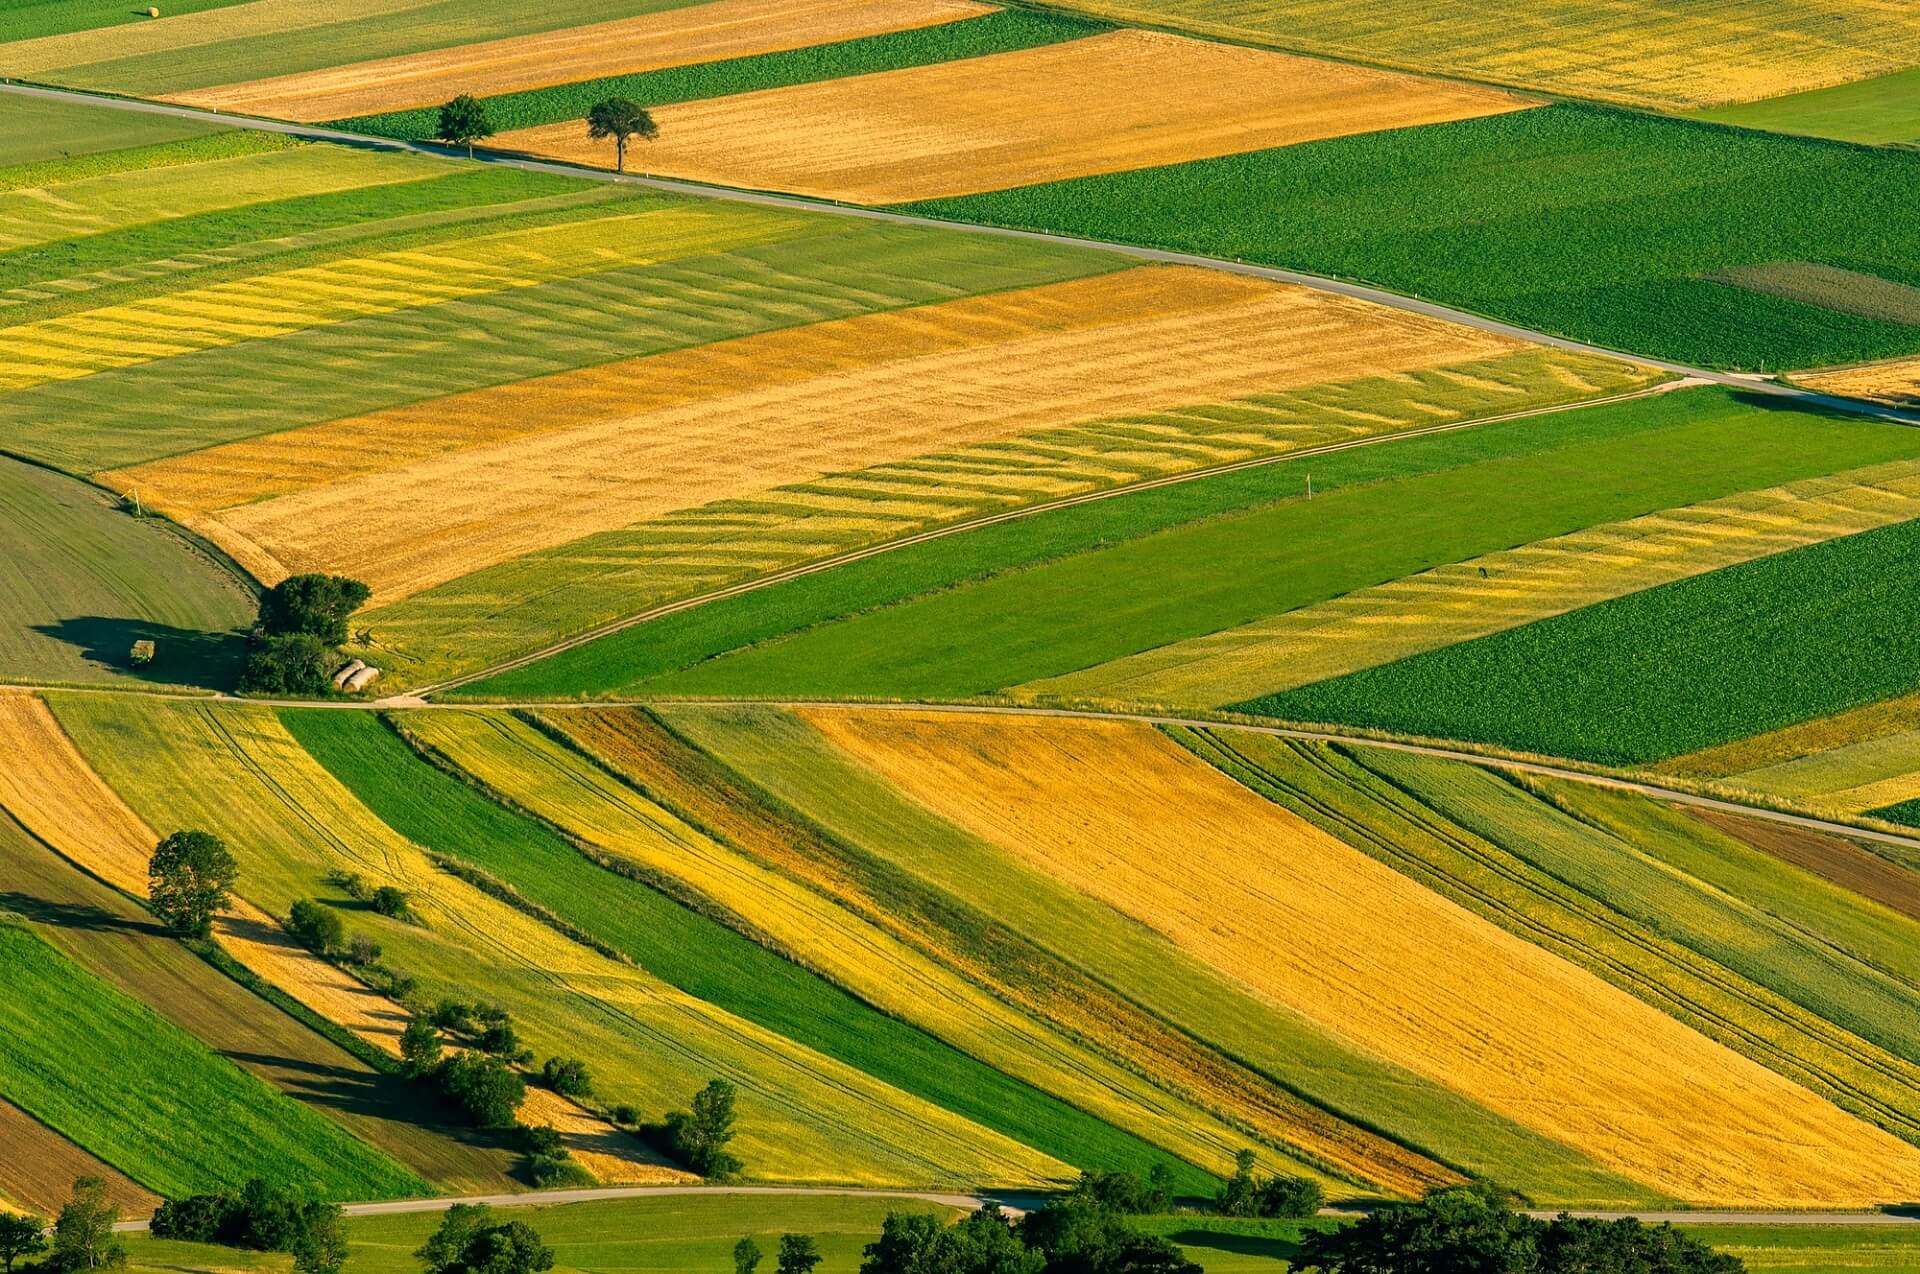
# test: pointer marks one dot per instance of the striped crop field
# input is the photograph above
(1390, 966)
(1852, 865)
(671, 37)
(1896, 382)
(1639, 52)
(1016, 118)
(564, 786)
(1494, 592)
(38, 1167)
(238, 772)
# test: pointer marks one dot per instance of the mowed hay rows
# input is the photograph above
(1108, 103)
(1495, 592)
(1897, 382)
(565, 787)
(38, 1167)
(995, 367)
(1642, 52)
(236, 771)
(676, 37)
(1325, 930)
(269, 305)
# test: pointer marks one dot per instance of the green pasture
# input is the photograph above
(1581, 221)
(82, 579)
(1674, 669)
(1877, 111)
(117, 1079)
(40, 129)
(688, 949)
(1378, 514)
(1817, 1249)
(206, 148)
(1000, 31)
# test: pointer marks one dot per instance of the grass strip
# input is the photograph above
(1674, 669)
(1002, 31)
(193, 150)
(1577, 220)
(689, 950)
(31, 19)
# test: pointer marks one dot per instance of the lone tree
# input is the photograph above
(20, 1235)
(83, 1237)
(746, 1257)
(620, 118)
(188, 880)
(699, 1137)
(798, 1254)
(463, 121)
(321, 1245)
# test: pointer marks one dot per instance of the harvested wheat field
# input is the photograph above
(607, 447)
(676, 37)
(1498, 591)
(1322, 929)
(38, 1165)
(1109, 103)
(1897, 382)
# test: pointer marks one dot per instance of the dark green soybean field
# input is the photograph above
(1587, 222)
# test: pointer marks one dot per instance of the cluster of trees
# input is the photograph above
(302, 625)
(1078, 1234)
(82, 1235)
(472, 1240)
(797, 1254)
(464, 121)
(265, 1218)
(1247, 1195)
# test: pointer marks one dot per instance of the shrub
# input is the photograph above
(484, 1089)
(316, 926)
(420, 1046)
(201, 1218)
(567, 1076)
(296, 664)
(389, 901)
(362, 951)
(698, 1137)
(626, 1116)
(554, 1172)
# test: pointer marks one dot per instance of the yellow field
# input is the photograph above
(1126, 815)
(1644, 52)
(273, 304)
(697, 33)
(1487, 594)
(1110, 103)
(27, 58)
(535, 773)
(566, 456)
(1896, 382)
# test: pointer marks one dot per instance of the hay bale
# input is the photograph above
(347, 670)
(361, 680)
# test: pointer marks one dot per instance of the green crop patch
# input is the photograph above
(1002, 31)
(38, 130)
(1673, 669)
(146, 1097)
(1584, 222)
(1876, 111)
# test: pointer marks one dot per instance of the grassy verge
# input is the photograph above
(1575, 220)
(1002, 31)
(193, 150)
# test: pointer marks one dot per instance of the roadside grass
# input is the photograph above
(687, 948)
(797, 765)
(156, 1103)
(234, 770)
(1803, 989)
(82, 580)
(1449, 498)
(1816, 1249)
(37, 130)
(1576, 220)
(1001, 31)
(660, 560)
(1874, 111)
(1685, 666)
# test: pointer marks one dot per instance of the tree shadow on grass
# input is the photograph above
(1201, 1239)
(70, 915)
(182, 656)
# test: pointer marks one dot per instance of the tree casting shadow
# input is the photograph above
(182, 656)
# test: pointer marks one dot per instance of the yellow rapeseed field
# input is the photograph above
(1109, 103)
(1643, 52)
(267, 305)
(1896, 382)
(1123, 813)
(566, 456)
(676, 37)
(1487, 594)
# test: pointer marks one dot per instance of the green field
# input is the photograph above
(1876, 111)
(37, 129)
(1584, 222)
(692, 951)
(1001, 31)
(1817, 1249)
(1674, 669)
(1450, 497)
(82, 580)
(30, 19)
(154, 1102)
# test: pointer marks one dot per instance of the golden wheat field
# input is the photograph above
(1323, 929)
(1108, 103)
(609, 447)
(1896, 382)
(1642, 52)
(273, 304)
(696, 33)
(1488, 594)
(32, 58)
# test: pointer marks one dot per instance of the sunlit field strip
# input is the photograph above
(1325, 930)
(1109, 103)
(676, 37)
(1642, 52)
(1897, 382)
(565, 787)
(38, 1167)
(236, 771)
(1497, 591)
(274, 304)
